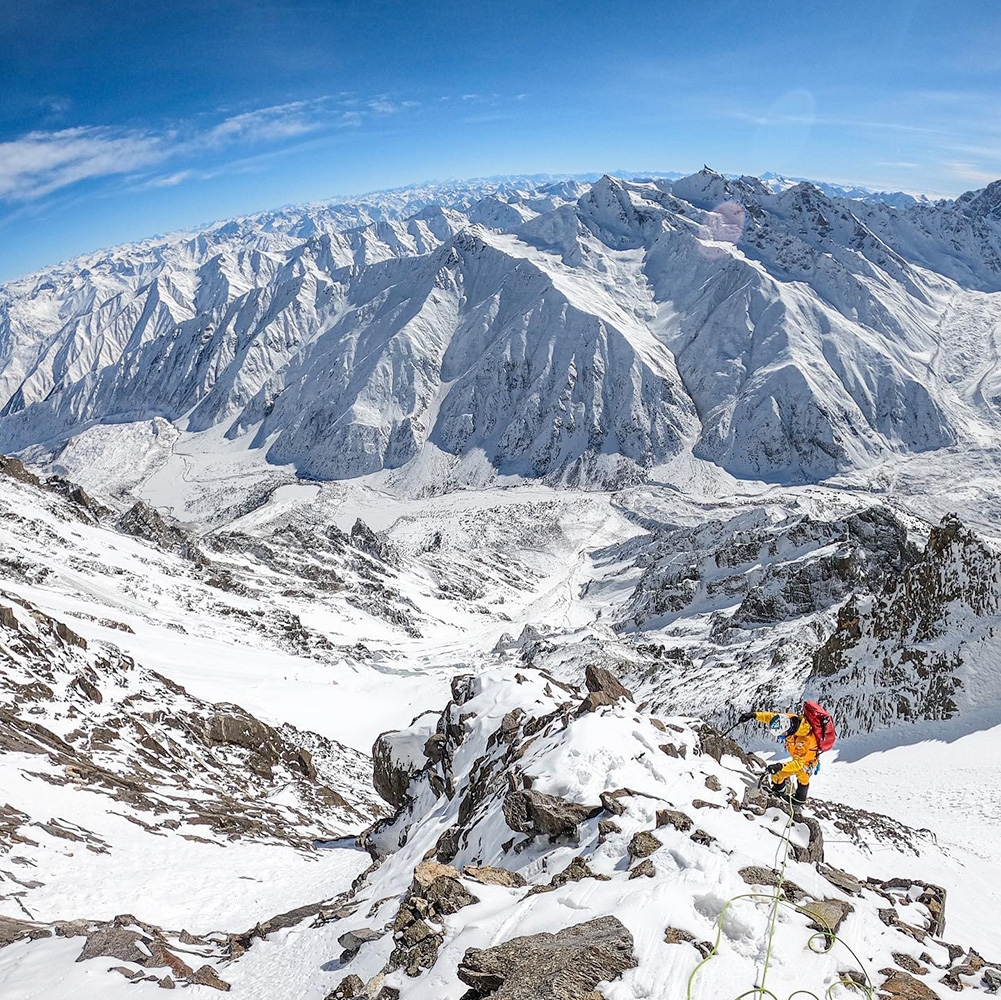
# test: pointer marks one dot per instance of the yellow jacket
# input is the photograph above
(800, 742)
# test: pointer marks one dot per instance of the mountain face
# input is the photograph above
(921, 649)
(579, 335)
(198, 647)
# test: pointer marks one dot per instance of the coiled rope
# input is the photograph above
(820, 943)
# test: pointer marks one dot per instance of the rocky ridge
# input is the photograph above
(83, 716)
(524, 819)
(921, 648)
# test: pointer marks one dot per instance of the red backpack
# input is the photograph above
(822, 724)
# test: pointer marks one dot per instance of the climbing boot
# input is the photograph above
(802, 791)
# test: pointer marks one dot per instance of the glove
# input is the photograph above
(774, 768)
(746, 717)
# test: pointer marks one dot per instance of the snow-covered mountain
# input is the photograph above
(579, 336)
(237, 554)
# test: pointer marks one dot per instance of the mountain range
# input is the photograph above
(578, 334)
(381, 584)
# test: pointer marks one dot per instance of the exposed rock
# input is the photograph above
(848, 883)
(349, 988)
(643, 844)
(903, 985)
(604, 688)
(393, 768)
(576, 871)
(365, 539)
(435, 892)
(610, 801)
(352, 941)
(112, 941)
(645, 868)
(142, 521)
(813, 853)
(493, 876)
(971, 965)
(675, 818)
(527, 811)
(717, 745)
(567, 965)
(895, 639)
(207, 976)
(14, 468)
(448, 895)
(428, 872)
(753, 875)
(828, 914)
(606, 827)
(12, 930)
(909, 964)
(675, 935)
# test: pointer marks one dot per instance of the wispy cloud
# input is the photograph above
(38, 163)
(41, 162)
(281, 121)
(971, 173)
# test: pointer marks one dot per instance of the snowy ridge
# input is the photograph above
(923, 648)
(533, 815)
(581, 336)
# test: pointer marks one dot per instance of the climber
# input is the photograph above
(805, 736)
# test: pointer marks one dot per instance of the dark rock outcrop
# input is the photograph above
(567, 965)
(604, 688)
(536, 813)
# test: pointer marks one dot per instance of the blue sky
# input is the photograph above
(119, 120)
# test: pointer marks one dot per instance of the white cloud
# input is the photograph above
(41, 162)
(281, 121)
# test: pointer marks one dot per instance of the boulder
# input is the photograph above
(828, 914)
(904, 985)
(488, 875)
(348, 989)
(352, 941)
(754, 875)
(396, 758)
(576, 871)
(643, 844)
(567, 965)
(645, 869)
(531, 812)
(672, 817)
(604, 688)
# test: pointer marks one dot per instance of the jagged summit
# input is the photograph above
(578, 335)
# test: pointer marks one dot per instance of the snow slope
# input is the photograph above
(773, 395)
(785, 335)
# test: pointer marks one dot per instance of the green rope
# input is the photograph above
(827, 937)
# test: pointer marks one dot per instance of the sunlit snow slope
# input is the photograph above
(581, 336)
